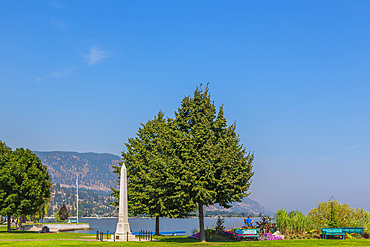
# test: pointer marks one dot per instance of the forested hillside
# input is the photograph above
(91, 202)
(94, 170)
(96, 173)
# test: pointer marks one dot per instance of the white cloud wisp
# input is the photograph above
(96, 55)
(57, 74)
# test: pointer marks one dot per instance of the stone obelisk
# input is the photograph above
(123, 232)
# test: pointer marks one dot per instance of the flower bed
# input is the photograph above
(269, 236)
(228, 235)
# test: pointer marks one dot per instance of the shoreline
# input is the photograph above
(116, 217)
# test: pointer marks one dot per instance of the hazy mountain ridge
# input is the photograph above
(246, 205)
(95, 172)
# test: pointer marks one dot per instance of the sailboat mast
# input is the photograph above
(77, 195)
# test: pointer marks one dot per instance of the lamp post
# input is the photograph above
(333, 221)
(331, 200)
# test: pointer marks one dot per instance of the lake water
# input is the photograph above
(165, 224)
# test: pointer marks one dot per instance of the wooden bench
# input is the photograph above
(349, 230)
(332, 231)
(247, 233)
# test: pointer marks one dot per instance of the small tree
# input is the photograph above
(220, 224)
(63, 212)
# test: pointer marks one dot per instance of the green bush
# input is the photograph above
(326, 214)
(293, 222)
(63, 212)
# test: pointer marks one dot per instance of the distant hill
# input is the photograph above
(94, 170)
(247, 205)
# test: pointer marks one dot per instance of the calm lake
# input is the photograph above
(165, 224)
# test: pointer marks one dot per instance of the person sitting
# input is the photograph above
(248, 222)
(45, 229)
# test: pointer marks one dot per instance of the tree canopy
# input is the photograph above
(153, 187)
(216, 168)
(176, 166)
(24, 182)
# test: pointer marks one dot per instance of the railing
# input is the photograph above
(143, 235)
(100, 235)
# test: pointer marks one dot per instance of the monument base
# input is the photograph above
(124, 237)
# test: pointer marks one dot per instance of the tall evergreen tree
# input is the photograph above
(214, 167)
(24, 183)
(153, 187)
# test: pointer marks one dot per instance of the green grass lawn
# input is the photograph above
(19, 238)
(177, 241)
(35, 235)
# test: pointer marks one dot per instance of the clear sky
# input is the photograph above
(293, 75)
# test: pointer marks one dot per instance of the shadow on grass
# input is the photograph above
(177, 239)
(185, 239)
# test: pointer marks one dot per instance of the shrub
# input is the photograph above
(220, 224)
(293, 222)
(283, 221)
(265, 225)
(63, 212)
(56, 216)
(366, 235)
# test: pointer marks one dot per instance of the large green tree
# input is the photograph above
(24, 183)
(214, 166)
(153, 186)
(177, 166)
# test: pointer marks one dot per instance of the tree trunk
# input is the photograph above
(8, 228)
(20, 224)
(157, 225)
(202, 234)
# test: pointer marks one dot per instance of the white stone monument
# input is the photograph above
(123, 232)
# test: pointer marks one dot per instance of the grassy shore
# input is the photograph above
(21, 238)
(182, 241)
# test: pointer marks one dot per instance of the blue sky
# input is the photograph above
(293, 75)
